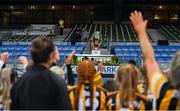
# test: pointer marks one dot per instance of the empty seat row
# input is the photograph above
(23, 50)
(126, 52)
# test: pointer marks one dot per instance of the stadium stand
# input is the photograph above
(132, 51)
(171, 32)
(89, 42)
(20, 38)
(14, 27)
(112, 32)
(23, 48)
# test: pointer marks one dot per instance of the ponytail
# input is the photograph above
(78, 91)
(127, 78)
(91, 89)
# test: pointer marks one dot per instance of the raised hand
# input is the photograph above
(69, 58)
(138, 22)
(23, 60)
(100, 67)
(4, 56)
(140, 26)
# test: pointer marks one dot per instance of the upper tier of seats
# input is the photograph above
(126, 52)
(22, 49)
(113, 32)
(172, 33)
(20, 38)
(27, 34)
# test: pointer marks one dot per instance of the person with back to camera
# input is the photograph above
(39, 88)
(7, 78)
(127, 97)
(166, 93)
(97, 77)
(85, 95)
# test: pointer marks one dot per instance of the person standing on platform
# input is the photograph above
(96, 41)
(39, 88)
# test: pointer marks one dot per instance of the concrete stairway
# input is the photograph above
(156, 35)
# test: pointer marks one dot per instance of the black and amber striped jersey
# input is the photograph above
(141, 102)
(99, 102)
(167, 97)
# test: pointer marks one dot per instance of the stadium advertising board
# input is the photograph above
(106, 69)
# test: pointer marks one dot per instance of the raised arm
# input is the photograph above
(69, 69)
(3, 59)
(140, 26)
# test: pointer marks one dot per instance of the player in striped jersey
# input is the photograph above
(128, 96)
(85, 95)
(167, 97)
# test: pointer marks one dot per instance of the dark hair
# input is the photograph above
(85, 58)
(110, 85)
(41, 49)
(14, 76)
(133, 62)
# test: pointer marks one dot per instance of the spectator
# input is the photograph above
(76, 36)
(24, 61)
(85, 35)
(55, 69)
(39, 88)
(97, 77)
(7, 78)
(128, 97)
(166, 95)
(78, 32)
(27, 64)
(87, 96)
(110, 86)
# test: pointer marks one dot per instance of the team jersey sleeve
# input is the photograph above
(156, 81)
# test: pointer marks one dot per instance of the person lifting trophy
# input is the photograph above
(96, 42)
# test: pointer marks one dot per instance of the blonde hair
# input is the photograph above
(127, 77)
(5, 86)
(175, 70)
